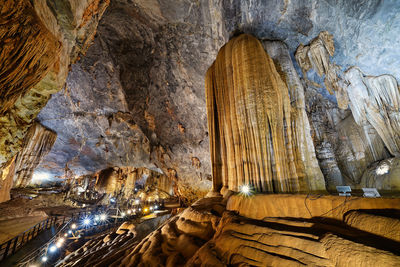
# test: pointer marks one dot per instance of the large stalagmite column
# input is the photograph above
(249, 117)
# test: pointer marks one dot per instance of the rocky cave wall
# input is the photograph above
(137, 97)
(39, 42)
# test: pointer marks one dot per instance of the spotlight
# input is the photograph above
(123, 214)
(86, 221)
(146, 210)
(103, 217)
(44, 259)
(112, 200)
(140, 209)
(53, 248)
(129, 211)
(151, 208)
(245, 190)
(96, 218)
(134, 210)
(62, 239)
(66, 234)
(137, 201)
(73, 226)
(69, 231)
(58, 244)
(156, 207)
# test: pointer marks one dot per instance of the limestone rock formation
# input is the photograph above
(40, 40)
(306, 161)
(28, 52)
(250, 123)
(38, 142)
(206, 234)
(162, 86)
(375, 100)
(6, 180)
(383, 175)
(373, 103)
(127, 184)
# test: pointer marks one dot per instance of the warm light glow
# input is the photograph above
(151, 208)
(129, 211)
(62, 239)
(146, 210)
(245, 190)
(123, 214)
(137, 201)
(73, 226)
(44, 259)
(103, 217)
(58, 245)
(53, 248)
(66, 234)
(140, 209)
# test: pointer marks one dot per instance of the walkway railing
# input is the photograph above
(11, 246)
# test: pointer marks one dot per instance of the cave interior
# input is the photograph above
(199, 133)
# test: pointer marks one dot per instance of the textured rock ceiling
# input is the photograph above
(137, 97)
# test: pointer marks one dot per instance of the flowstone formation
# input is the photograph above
(361, 129)
(38, 142)
(214, 232)
(250, 122)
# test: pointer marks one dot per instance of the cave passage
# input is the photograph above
(199, 133)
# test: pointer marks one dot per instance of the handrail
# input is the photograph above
(11, 246)
(37, 251)
(86, 231)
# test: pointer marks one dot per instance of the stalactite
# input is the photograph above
(27, 52)
(250, 124)
(376, 100)
(38, 142)
(316, 56)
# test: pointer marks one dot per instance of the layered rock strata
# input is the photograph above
(252, 124)
(206, 234)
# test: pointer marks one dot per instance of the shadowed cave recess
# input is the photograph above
(199, 133)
